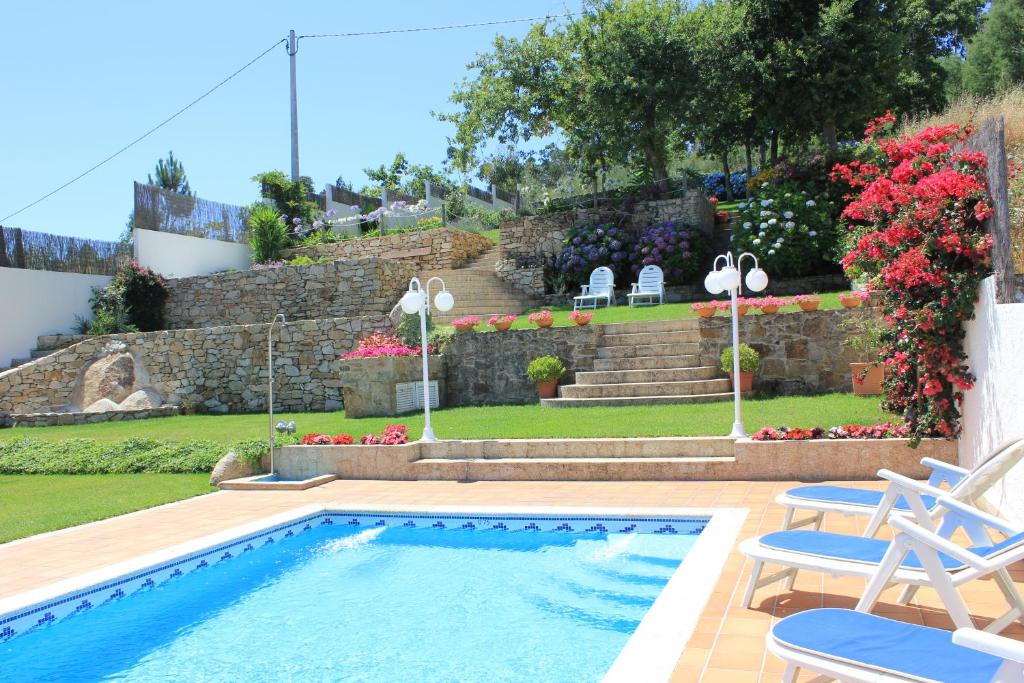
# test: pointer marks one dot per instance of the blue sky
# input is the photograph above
(80, 80)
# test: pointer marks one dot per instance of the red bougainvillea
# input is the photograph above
(917, 217)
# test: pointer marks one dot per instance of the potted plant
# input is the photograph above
(467, 323)
(714, 202)
(541, 318)
(853, 299)
(544, 371)
(808, 302)
(865, 338)
(771, 304)
(750, 362)
(705, 309)
(581, 318)
(501, 322)
(742, 305)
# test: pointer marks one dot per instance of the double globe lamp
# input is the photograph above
(417, 300)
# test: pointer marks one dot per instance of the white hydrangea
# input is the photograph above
(810, 202)
(748, 225)
(771, 252)
(789, 194)
(757, 242)
(764, 185)
(787, 215)
(761, 234)
(763, 226)
(765, 213)
(813, 233)
(765, 202)
(742, 205)
(773, 221)
(790, 225)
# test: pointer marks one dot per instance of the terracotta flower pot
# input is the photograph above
(746, 381)
(465, 327)
(714, 203)
(544, 323)
(548, 389)
(873, 374)
(501, 326)
(706, 312)
(721, 217)
(582, 323)
(769, 309)
(809, 305)
(850, 302)
(741, 309)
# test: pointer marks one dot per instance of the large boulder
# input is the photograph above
(143, 399)
(104, 405)
(111, 377)
(230, 467)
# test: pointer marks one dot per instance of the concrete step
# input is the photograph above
(575, 469)
(647, 376)
(633, 401)
(18, 362)
(642, 338)
(56, 342)
(641, 350)
(684, 388)
(650, 326)
(663, 447)
(646, 363)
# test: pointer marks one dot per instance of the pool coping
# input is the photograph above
(650, 653)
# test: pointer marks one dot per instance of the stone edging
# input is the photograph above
(51, 419)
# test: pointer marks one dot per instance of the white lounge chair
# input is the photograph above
(917, 556)
(601, 288)
(650, 285)
(866, 648)
(965, 485)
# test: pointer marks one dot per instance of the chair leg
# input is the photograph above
(755, 576)
(791, 579)
(792, 670)
(907, 594)
(787, 521)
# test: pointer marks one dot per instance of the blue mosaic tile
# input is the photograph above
(410, 524)
(226, 556)
(148, 583)
(7, 632)
(83, 606)
(468, 525)
(47, 618)
(531, 527)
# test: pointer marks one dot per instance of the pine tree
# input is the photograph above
(170, 175)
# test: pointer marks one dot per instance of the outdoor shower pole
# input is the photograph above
(293, 48)
(270, 386)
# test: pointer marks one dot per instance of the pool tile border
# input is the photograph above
(45, 606)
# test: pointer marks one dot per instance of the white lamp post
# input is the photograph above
(417, 300)
(729, 279)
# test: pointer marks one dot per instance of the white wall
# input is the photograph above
(993, 410)
(174, 255)
(37, 302)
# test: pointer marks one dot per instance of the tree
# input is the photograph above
(389, 177)
(170, 175)
(291, 199)
(615, 82)
(995, 57)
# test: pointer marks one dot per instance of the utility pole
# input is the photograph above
(293, 48)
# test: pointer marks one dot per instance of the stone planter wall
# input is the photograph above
(489, 368)
(800, 352)
(368, 384)
(427, 250)
(325, 290)
(218, 369)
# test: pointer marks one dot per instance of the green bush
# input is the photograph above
(545, 369)
(431, 223)
(134, 301)
(290, 198)
(441, 337)
(268, 234)
(750, 361)
(301, 260)
(87, 456)
(408, 329)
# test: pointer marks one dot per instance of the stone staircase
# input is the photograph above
(45, 345)
(479, 291)
(646, 363)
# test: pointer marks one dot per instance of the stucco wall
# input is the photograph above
(993, 411)
(174, 255)
(38, 302)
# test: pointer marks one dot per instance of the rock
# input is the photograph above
(104, 405)
(111, 377)
(230, 467)
(143, 399)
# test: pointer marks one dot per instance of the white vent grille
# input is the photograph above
(409, 396)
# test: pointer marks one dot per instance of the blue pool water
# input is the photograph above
(372, 604)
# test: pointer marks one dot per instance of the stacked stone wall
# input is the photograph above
(437, 249)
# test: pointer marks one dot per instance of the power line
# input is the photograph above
(430, 28)
(148, 132)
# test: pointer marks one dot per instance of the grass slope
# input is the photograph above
(528, 421)
(33, 504)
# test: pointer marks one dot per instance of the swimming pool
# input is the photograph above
(357, 595)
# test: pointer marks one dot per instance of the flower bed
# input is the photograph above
(885, 430)
(379, 344)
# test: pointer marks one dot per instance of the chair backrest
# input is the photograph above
(602, 280)
(651, 279)
(983, 477)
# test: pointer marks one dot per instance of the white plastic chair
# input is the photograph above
(601, 288)
(650, 286)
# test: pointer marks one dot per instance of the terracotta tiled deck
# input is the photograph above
(728, 644)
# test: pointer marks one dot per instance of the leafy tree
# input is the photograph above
(389, 177)
(615, 82)
(995, 57)
(414, 183)
(170, 175)
(342, 183)
(291, 199)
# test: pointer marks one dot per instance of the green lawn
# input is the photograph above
(33, 504)
(492, 235)
(528, 421)
(729, 206)
(625, 314)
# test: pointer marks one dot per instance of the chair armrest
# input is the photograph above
(942, 471)
(989, 643)
(636, 288)
(896, 479)
(937, 542)
(584, 290)
(976, 515)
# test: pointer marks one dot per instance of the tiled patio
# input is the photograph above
(728, 644)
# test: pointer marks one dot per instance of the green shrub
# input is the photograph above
(268, 234)
(301, 260)
(441, 337)
(408, 329)
(545, 369)
(87, 456)
(750, 361)
(134, 301)
(431, 223)
(290, 198)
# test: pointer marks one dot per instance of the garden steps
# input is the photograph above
(645, 338)
(642, 350)
(646, 389)
(650, 326)
(646, 363)
(479, 291)
(634, 400)
(681, 374)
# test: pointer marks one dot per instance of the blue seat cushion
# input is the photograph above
(885, 645)
(843, 547)
(851, 496)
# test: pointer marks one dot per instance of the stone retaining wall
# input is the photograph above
(368, 384)
(800, 352)
(489, 368)
(51, 419)
(437, 249)
(217, 369)
(325, 290)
